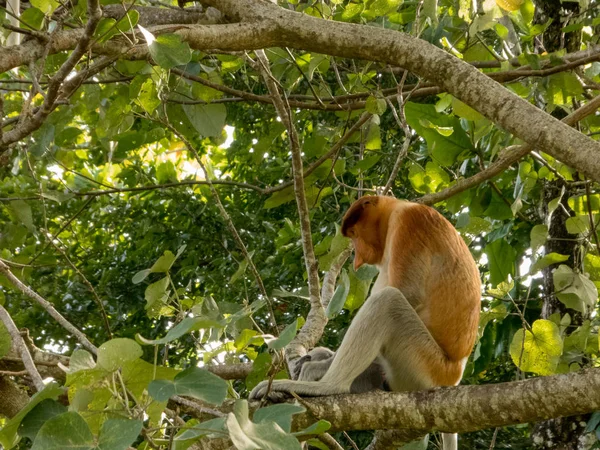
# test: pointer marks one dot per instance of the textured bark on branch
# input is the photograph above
(454, 409)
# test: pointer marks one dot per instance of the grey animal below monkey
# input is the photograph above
(313, 365)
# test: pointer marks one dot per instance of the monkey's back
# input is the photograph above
(434, 269)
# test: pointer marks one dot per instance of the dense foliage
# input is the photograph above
(107, 214)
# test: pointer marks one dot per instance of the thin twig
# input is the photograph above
(87, 283)
(591, 216)
(19, 343)
(48, 307)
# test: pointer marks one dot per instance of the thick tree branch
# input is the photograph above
(12, 398)
(465, 82)
(509, 156)
(48, 307)
(453, 409)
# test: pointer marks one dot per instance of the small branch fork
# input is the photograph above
(4, 269)
(19, 343)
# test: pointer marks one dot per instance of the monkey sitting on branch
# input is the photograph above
(420, 323)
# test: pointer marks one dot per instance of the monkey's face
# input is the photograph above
(361, 223)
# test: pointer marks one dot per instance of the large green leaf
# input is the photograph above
(113, 354)
(65, 431)
(208, 120)
(38, 416)
(247, 435)
(445, 137)
(574, 289)
(285, 337)
(538, 350)
(185, 326)
(193, 382)
(501, 260)
(339, 296)
(168, 50)
(118, 434)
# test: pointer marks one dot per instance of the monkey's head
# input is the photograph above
(365, 223)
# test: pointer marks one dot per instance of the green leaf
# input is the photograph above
(430, 180)
(576, 342)
(65, 431)
(375, 105)
(140, 276)
(164, 263)
(162, 390)
(339, 296)
(548, 260)
(167, 50)
(574, 289)
(357, 294)
(156, 293)
(502, 289)
(463, 110)
(247, 435)
(46, 6)
(81, 360)
(5, 341)
(193, 382)
(316, 428)
(593, 422)
(116, 352)
(197, 430)
(187, 325)
(148, 99)
(138, 374)
(428, 123)
(538, 237)
(109, 27)
(260, 369)
(285, 337)
(208, 120)
(280, 414)
(539, 350)
(33, 17)
(578, 224)
(21, 213)
(8, 434)
(118, 434)
(38, 416)
(501, 261)
(339, 243)
(241, 270)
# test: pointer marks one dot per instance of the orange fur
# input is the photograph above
(419, 252)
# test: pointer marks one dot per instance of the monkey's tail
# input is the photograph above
(450, 441)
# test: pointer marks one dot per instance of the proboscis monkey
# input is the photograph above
(420, 322)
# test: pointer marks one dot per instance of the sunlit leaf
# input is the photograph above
(539, 350)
